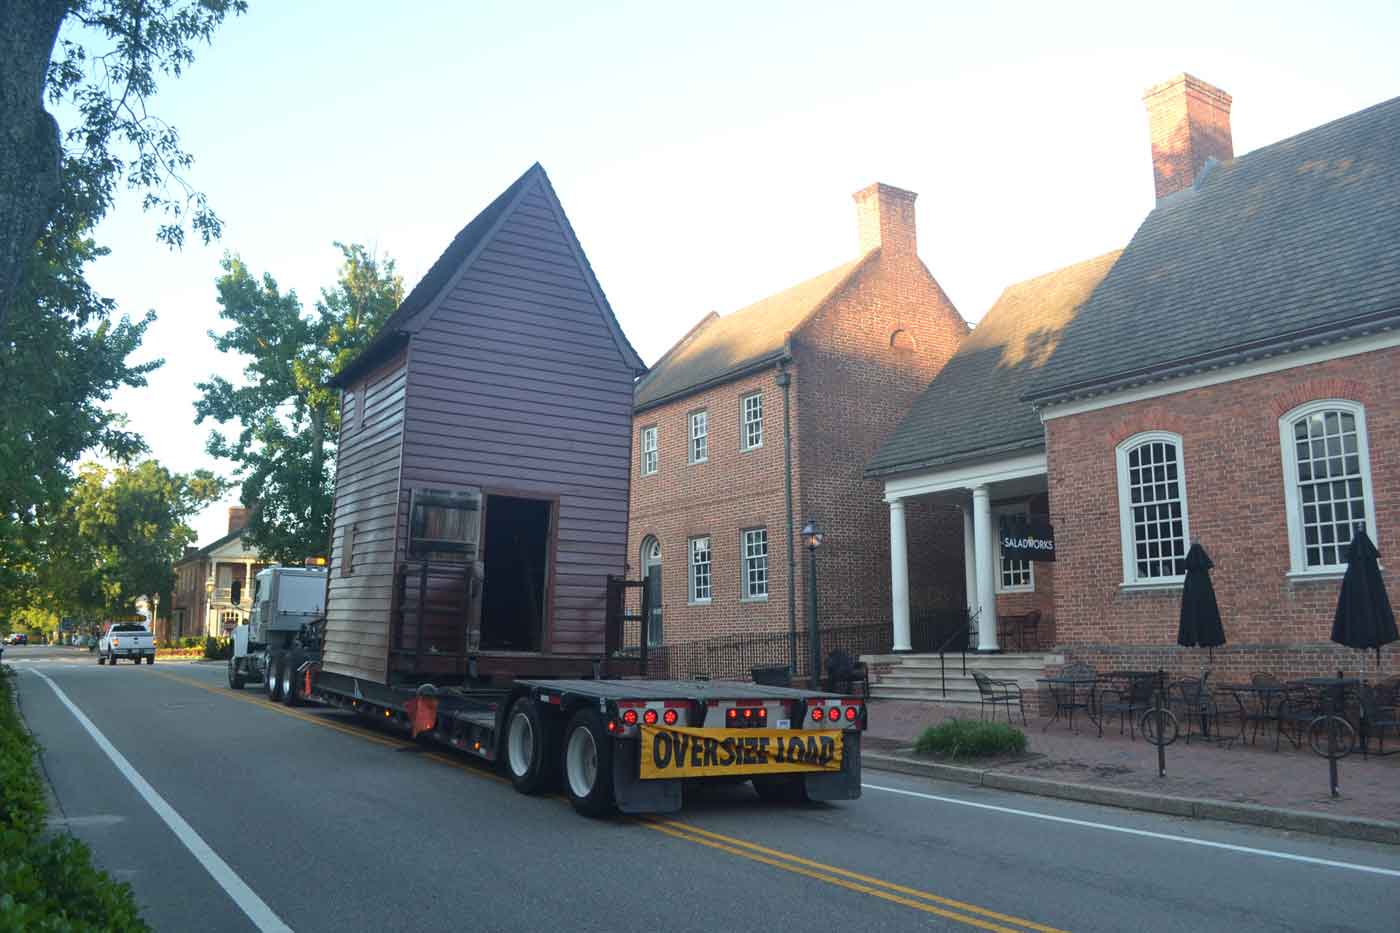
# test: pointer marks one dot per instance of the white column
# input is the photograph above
(899, 575)
(986, 591)
(969, 560)
(247, 581)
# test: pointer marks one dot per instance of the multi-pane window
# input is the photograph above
(1329, 478)
(700, 569)
(1152, 502)
(649, 452)
(752, 418)
(699, 436)
(755, 563)
(1013, 574)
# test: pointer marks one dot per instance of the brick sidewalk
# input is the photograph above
(1290, 778)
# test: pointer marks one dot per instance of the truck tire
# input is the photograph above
(529, 748)
(288, 679)
(588, 764)
(111, 659)
(101, 659)
(779, 788)
(150, 659)
(235, 675)
(273, 680)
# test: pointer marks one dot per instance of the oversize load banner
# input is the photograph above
(678, 752)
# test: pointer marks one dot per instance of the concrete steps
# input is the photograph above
(919, 676)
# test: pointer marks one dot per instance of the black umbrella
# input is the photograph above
(1364, 618)
(1200, 615)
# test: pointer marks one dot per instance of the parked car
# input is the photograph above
(19, 638)
(127, 640)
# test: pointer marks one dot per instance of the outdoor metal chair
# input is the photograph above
(1377, 717)
(1201, 706)
(996, 693)
(1298, 707)
(1127, 702)
(844, 674)
(1262, 708)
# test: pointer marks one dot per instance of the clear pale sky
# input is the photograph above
(706, 155)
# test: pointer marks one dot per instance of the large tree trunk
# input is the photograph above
(30, 149)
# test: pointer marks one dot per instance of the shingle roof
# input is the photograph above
(1293, 244)
(441, 272)
(721, 347)
(973, 407)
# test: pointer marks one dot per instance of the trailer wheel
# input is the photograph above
(235, 675)
(272, 680)
(530, 748)
(781, 788)
(150, 659)
(291, 696)
(588, 764)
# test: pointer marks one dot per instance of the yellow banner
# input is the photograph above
(677, 752)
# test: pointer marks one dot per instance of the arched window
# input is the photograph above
(1327, 482)
(651, 575)
(902, 341)
(1152, 508)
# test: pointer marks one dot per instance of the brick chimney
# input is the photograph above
(885, 217)
(1189, 121)
(237, 518)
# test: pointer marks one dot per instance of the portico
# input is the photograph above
(979, 490)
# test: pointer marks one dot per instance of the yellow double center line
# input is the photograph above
(923, 901)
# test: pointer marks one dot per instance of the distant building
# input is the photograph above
(856, 344)
(207, 581)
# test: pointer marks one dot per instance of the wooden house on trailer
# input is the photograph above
(482, 475)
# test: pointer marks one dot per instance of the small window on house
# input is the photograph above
(1327, 488)
(1152, 508)
(1013, 575)
(650, 454)
(755, 543)
(445, 525)
(902, 341)
(700, 569)
(361, 403)
(347, 561)
(751, 410)
(699, 436)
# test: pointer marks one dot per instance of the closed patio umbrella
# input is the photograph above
(1200, 615)
(1364, 618)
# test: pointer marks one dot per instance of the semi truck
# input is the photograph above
(617, 743)
(478, 559)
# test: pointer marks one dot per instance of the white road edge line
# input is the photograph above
(1109, 827)
(262, 916)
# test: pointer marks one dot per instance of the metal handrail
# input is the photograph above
(942, 662)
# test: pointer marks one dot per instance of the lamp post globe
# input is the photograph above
(812, 536)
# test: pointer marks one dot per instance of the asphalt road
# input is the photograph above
(331, 825)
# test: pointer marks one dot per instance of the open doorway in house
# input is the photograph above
(515, 548)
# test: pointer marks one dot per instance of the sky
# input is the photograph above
(705, 154)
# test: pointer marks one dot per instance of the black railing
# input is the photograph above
(956, 640)
(431, 618)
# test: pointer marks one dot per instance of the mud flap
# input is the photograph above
(843, 784)
(634, 795)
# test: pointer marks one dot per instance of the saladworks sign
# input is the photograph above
(1027, 539)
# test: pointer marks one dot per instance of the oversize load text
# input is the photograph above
(677, 752)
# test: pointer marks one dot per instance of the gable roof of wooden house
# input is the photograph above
(464, 249)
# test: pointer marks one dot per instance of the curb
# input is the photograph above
(1199, 808)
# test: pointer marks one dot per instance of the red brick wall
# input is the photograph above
(733, 490)
(1235, 503)
(854, 388)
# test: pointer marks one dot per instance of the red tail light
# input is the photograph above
(763, 712)
(816, 714)
(833, 714)
(629, 717)
(649, 717)
(669, 717)
(851, 713)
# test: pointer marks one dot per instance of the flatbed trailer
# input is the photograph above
(625, 744)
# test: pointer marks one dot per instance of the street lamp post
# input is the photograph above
(812, 536)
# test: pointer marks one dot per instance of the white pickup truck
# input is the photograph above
(126, 640)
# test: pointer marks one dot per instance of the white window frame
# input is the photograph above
(1297, 551)
(745, 422)
(699, 436)
(692, 589)
(1125, 507)
(746, 592)
(1022, 509)
(651, 456)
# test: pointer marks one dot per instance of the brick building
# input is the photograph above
(854, 345)
(1230, 378)
(203, 600)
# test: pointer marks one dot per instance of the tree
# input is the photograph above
(108, 69)
(288, 418)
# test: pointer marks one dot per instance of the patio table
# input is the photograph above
(1269, 698)
(1070, 694)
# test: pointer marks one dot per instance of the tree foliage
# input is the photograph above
(287, 418)
(106, 59)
